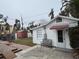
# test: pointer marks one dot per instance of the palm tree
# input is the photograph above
(30, 26)
(7, 26)
(17, 25)
(65, 8)
(71, 7)
(5, 19)
(1, 16)
(51, 14)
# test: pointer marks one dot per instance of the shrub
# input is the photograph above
(74, 37)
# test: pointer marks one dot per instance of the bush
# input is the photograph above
(74, 37)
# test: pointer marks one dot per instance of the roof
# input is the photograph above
(65, 17)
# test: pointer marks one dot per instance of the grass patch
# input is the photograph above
(25, 41)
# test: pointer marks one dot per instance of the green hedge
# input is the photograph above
(74, 37)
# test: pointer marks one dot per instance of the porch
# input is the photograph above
(62, 37)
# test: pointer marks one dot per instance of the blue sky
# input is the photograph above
(30, 10)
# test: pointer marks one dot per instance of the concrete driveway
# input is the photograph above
(45, 53)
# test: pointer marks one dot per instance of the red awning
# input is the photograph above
(59, 26)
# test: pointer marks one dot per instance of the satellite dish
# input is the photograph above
(1, 16)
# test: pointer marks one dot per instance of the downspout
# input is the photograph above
(45, 34)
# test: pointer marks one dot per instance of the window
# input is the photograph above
(39, 34)
(58, 19)
(60, 36)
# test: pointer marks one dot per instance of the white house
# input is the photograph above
(56, 30)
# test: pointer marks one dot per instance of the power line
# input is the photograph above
(38, 15)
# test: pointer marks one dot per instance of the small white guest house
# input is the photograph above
(56, 30)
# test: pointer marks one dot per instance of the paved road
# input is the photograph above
(45, 53)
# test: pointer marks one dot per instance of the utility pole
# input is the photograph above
(22, 22)
(62, 2)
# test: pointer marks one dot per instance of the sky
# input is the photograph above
(30, 10)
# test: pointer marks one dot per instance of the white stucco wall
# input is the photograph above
(52, 34)
(35, 37)
(67, 41)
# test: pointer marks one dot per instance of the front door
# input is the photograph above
(61, 39)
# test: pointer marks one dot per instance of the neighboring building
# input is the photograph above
(22, 34)
(29, 34)
(57, 31)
